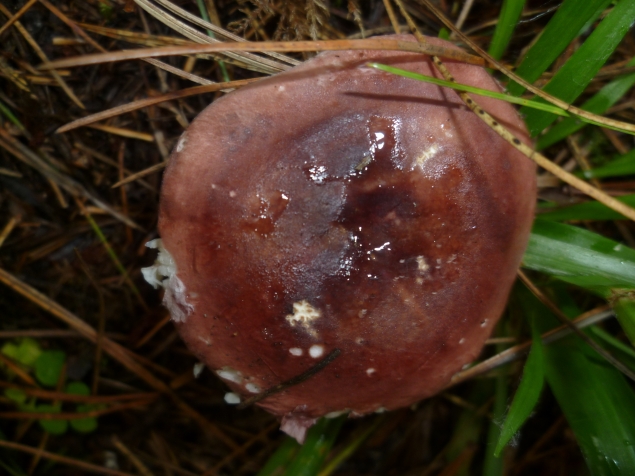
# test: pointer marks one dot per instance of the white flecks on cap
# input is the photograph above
(198, 368)
(427, 154)
(230, 374)
(316, 351)
(336, 413)
(252, 388)
(163, 273)
(370, 371)
(175, 299)
(163, 267)
(232, 398)
(304, 314)
(296, 351)
(205, 341)
(462, 341)
(181, 143)
(422, 264)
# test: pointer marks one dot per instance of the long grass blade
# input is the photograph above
(493, 466)
(313, 452)
(278, 462)
(526, 396)
(625, 312)
(595, 398)
(579, 256)
(598, 104)
(507, 20)
(587, 211)
(565, 25)
(472, 89)
(585, 62)
(622, 165)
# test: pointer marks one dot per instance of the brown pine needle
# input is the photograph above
(16, 17)
(262, 46)
(31, 41)
(518, 351)
(150, 170)
(74, 415)
(76, 463)
(76, 189)
(120, 131)
(141, 103)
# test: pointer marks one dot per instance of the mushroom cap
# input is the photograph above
(335, 206)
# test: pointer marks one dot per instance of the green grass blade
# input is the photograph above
(469, 427)
(588, 211)
(113, 255)
(625, 353)
(595, 397)
(526, 396)
(565, 25)
(572, 78)
(281, 459)
(350, 449)
(471, 89)
(494, 466)
(12, 117)
(313, 452)
(507, 20)
(625, 313)
(598, 104)
(620, 166)
(526, 103)
(579, 256)
(12, 471)
(221, 64)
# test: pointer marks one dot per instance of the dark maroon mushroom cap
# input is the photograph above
(335, 206)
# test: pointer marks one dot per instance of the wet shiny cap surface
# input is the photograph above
(339, 207)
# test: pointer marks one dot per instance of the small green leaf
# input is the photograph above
(77, 388)
(444, 33)
(85, 425)
(526, 396)
(54, 427)
(25, 353)
(16, 395)
(48, 366)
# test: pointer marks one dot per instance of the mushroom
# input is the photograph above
(334, 210)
